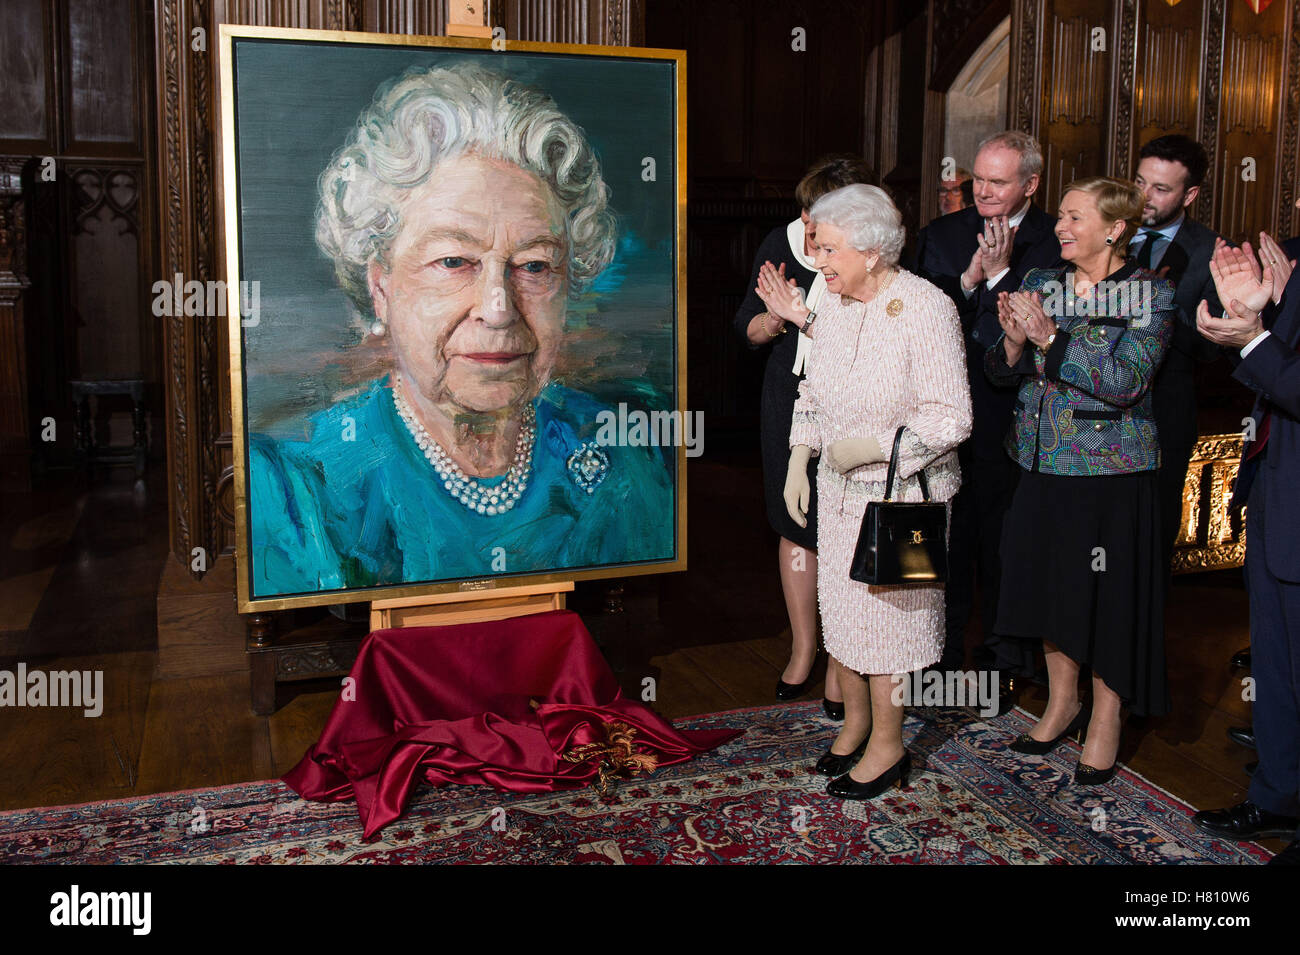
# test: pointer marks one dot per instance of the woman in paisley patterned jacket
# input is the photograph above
(1081, 542)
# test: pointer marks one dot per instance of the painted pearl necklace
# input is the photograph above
(489, 501)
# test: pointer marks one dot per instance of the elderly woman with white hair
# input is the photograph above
(887, 353)
(462, 216)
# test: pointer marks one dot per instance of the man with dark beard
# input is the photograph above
(1171, 243)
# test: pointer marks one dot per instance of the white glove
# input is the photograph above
(850, 453)
(797, 490)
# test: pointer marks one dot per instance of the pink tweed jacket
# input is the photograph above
(896, 360)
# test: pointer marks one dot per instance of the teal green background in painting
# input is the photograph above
(296, 104)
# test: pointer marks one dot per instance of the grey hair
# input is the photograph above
(430, 114)
(1031, 156)
(868, 218)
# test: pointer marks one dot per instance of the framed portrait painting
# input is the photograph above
(455, 292)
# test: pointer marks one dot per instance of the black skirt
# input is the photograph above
(1081, 570)
(780, 389)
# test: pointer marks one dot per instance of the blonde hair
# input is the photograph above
(1117, 200)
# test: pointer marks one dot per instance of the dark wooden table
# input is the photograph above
(88, 451)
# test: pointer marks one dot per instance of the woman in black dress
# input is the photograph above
(791, 249)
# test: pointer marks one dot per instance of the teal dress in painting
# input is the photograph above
(358, 505)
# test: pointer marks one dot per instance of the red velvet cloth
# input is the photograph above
(452, 705)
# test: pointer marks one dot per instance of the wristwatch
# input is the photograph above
(807, 323)
(1050, 338)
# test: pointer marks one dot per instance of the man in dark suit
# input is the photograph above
(1169, 173)
(973, 255)
(1267, 336)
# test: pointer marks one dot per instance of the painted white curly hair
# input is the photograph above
(434, 113)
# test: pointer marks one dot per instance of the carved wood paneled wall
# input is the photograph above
(1211, 69)
(74, 128)
(957, 28)
(772, 86)
(14, 431)
(1061, 86)
(196, 362)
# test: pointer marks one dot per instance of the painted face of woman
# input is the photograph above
(477, 286)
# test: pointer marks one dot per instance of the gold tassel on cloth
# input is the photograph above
(615, 755)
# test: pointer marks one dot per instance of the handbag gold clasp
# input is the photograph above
(917, 537)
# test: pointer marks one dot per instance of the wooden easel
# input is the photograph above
(468, 606)
(468, 18)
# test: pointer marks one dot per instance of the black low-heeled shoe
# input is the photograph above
(791, 691)
(834, 709)
(1085, 775)
(1024, 743)
(846, 787)
(1245, 821)
(1243, 735)
(833, 764)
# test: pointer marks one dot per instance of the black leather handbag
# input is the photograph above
(902, 543)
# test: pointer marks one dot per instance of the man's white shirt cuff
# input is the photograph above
(1253, 342)
(994, 280)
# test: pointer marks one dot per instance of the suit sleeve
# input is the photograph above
(1188, 338)
(936, 356)
(1272, 370)
(936, 267)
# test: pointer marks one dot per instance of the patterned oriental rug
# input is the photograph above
(753, 800)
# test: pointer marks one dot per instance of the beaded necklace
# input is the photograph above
(490, 501)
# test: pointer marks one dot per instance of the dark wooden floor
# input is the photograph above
(79, 568)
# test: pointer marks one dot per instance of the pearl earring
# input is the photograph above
(379, 329)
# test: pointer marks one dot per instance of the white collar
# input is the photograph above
(794, 234)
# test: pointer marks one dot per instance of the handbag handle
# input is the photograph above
(893, 469)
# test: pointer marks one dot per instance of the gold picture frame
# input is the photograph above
(529, 58)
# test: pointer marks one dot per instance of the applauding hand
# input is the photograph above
(1237, 328)
(1013, 342)
(1281, 265)
(974, 273)
(1014, 331)
(1027, 309)
(1237, 276)
(995, 244)
(783, 297)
